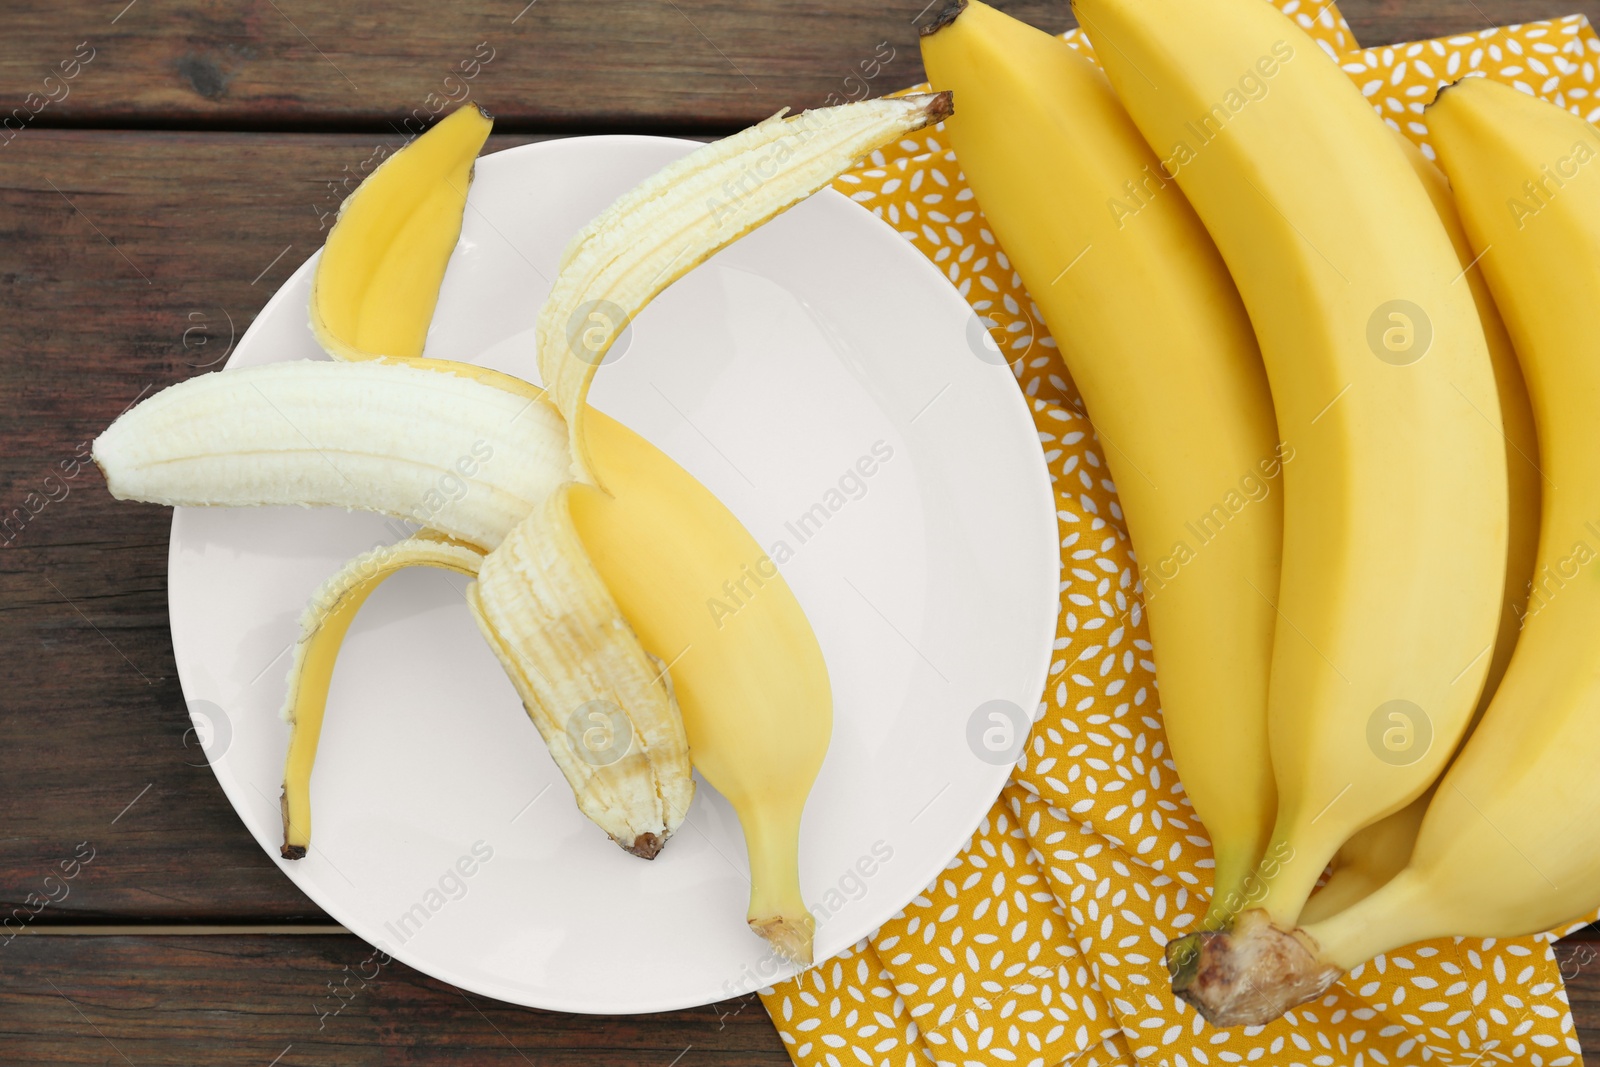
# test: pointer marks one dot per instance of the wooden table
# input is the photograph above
(149, 208)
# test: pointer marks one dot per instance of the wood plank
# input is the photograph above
(251, 1001)
(225, 1000)
(546, 66)
(124, 257)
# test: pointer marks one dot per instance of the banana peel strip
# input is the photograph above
(685, 213)
(323, 626)
(604, 706)
(377, 281)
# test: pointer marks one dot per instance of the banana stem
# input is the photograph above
(1233, 882)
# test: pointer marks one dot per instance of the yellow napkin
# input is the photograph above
(1041, 943)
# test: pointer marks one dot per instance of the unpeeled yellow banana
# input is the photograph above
(1377, 852)
(1511, 843)
(1158, 344)
(1395, 507)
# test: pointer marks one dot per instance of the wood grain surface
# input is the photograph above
(292, 1000)
(556, 65)
(150, 203)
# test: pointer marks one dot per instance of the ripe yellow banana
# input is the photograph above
(1508, 844)
(1377, 852)
(1511, 843)
(1158, 343)
(1395, 507)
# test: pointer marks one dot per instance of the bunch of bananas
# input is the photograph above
(590, 549)
(1349, 406)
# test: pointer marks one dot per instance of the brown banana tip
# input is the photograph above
(485, 112)
(293, 852)
(1451, 85)
(645, 846)
(945, 17)
(940, 107)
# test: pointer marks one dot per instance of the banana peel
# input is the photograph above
(322, 631)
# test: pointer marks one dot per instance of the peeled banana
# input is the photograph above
(579, 668)
(1172, 378)
(367, 436)
(376, 433)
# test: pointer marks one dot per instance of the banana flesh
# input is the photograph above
(323, 627)
(375, 431)
(375, 436)
(1173, 381)
(603, 705)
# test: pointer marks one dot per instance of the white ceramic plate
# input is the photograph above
(767, 373)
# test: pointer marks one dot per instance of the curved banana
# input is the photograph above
(323, 627)
(759, 694)
(1157, 341)
(1377, 852)
(1395, 507)
(1510, 844)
